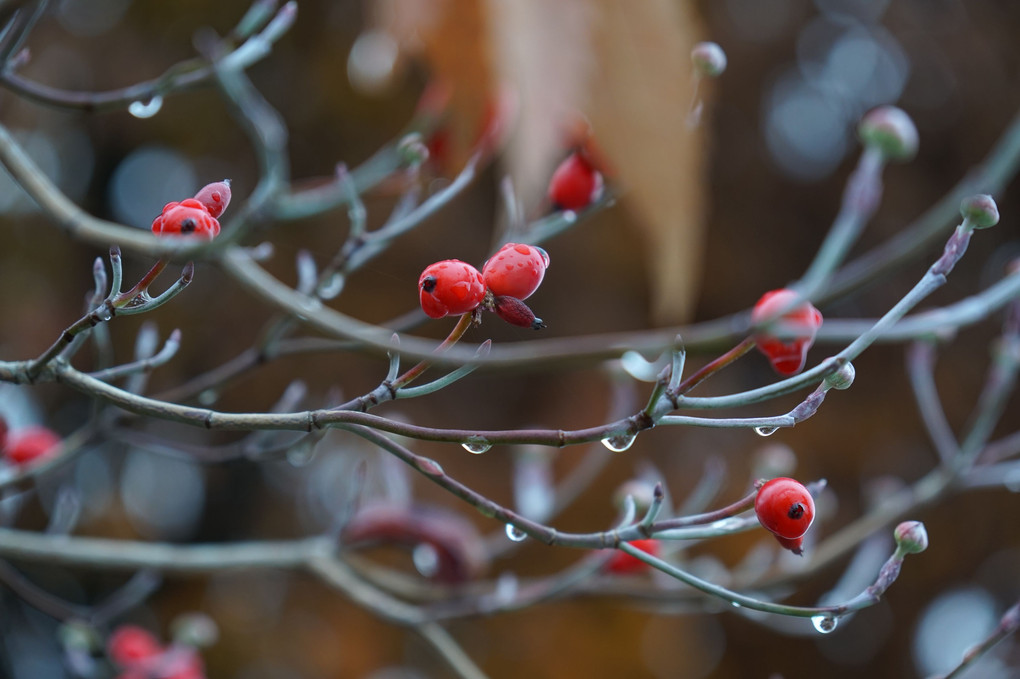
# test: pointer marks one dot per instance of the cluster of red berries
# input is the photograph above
(24, 446)
(139, 655)
(195, 216)
(785, 507)
(452, 287)
(786, 340)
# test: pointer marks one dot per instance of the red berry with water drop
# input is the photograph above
(516, 270)
(450, 287)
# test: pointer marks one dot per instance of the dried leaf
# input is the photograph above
(638, 109)
(451, 36)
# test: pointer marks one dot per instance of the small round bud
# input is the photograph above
(842, 378)
(911, 537)
(412, 150)
(981, 210)
(891, 131)
(709, 59)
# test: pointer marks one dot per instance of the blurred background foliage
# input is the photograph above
(706, 222)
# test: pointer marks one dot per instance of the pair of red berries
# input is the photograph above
(452, 287)
(796, 327)
(26, 445)
(785, 507)
(195, 216)
(140, 655)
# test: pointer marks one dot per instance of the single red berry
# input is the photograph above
(787, 339)
(785, 507)
(516, 270)
(516, 312)
(622, 563)
(130, 645)
(30, 444)
(575, 183)
(215, 197)
(186, 218)
(450, 287)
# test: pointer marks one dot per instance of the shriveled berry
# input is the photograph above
(130, 645)
(516, 312)
(575, 183)
(622, 563)
(30, 444)
(787, 339)
(450, 287)
(215, 197)
(189, 217)
(516, 270)
(785, 507)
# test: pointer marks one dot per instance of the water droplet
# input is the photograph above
(302, 452)
(208, 397)
(824, 623)
(735, 604)
(765, 431)
(146, 109)
(515, 534)
(476, 445)
(104, 312)
(619, 443)
(569, 216)
(332, 286)
(426, 559)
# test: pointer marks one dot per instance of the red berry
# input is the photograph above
(797, 326)
(215, 197)
(623, 563)
(30, 444)
(188, 217)
(516, 312)
(516, 270)
(130, 645)
(575, 183)
(785, 507)
(450, 287)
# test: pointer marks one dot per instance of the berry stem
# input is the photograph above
(711, 368)
(124, 298)
(458, 331)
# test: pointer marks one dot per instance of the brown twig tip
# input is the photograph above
(115, 252)
(188, 273)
